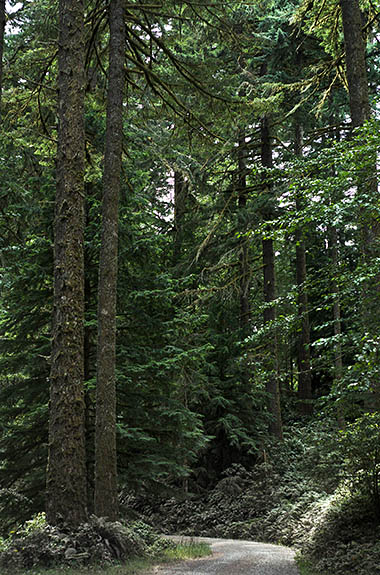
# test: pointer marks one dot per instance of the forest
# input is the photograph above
(189, 285)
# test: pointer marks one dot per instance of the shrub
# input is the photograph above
(299, 494)
(361, 447)
(346, 539)
(38, 544)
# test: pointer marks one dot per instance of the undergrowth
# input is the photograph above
(304, 492)
(300, 494)
(38, 545)
(305, 567)
(132, 566)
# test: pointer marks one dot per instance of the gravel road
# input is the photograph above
(232, 557)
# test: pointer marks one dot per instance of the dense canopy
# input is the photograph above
(189, 245)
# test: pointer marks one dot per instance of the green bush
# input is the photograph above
(275, 501)
(361, 447)
(299, 494)
(38, 544)
(346, 539)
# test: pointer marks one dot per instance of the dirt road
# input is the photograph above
(232, 557)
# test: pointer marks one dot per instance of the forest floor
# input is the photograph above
(302, 497)
(237, 557)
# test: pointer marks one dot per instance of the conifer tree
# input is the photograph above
(357, 80)
(106, 496)
(355, 50)
(66, 475)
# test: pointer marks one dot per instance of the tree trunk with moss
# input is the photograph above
(66, 474)
(357, 80)
(106, 497)
(356, 70)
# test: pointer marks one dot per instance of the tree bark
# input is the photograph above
(355, 61)
(356, 71)
(355, 53)
(303, 356)
(272, 383)
(66, 474)
(106, 497)
(89, 393)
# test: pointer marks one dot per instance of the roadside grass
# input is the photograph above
(191, 550)
(305, 567)
(134, 566)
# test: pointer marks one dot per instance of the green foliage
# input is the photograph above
(277, 500)
(346, 541)
(190, 550)
(37, 544)
(305, 567)
(361, 446)
(296, 497)
(190, 381)
(37, 523)
(131, 566)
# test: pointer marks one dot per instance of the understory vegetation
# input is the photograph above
(96, 544)
(304, 493)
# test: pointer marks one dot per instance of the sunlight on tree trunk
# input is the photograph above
(356, 71)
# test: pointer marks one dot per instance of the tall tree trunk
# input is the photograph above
(355, 52)
(66, 474)
(303, 356)
(355, 61)
(106, 498)
(356, 71)
(244, 246)
(2, 31)
(180, 207)
(272, 383)
(89, 394)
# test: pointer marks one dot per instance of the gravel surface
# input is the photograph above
(232, 557)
